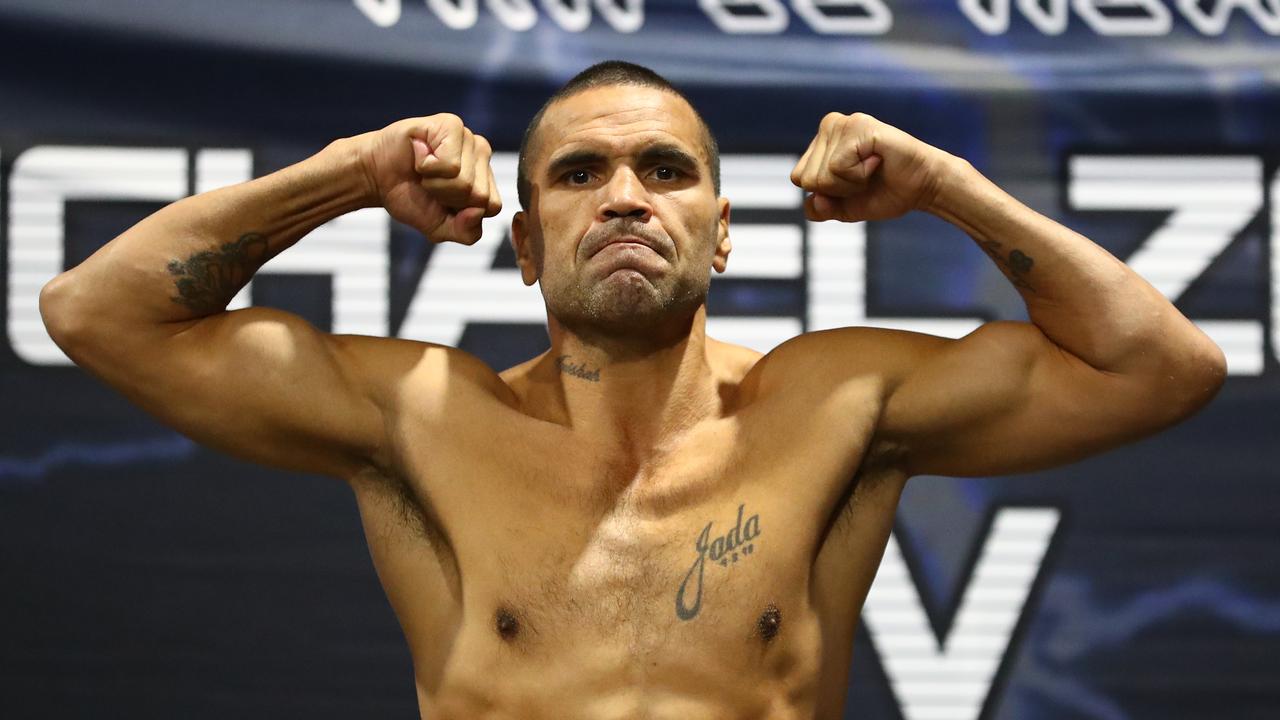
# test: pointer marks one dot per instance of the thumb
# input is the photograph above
(819, 207)
(420, 152)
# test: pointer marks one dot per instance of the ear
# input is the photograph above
(524, 252)
(723, 245)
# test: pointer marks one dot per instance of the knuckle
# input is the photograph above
(482, 144)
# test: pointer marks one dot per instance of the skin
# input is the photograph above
(642, 521)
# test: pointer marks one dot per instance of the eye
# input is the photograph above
(663, 172)
(578, 177)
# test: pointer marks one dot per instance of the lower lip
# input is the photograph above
(629, 249)
(626, 245)
(628, 254)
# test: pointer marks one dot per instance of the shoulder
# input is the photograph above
(828, 359)
(392, 369)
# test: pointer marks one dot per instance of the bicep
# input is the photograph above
(260, 384)
(1006, 399)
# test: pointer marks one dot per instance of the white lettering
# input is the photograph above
(1213, 19)
(1125, 17)
(853, 17)
(872, 18)
(950, 677)
(1049, 17)
(765, 17)
(626, 16)
(456, 14)
(989, 16)
(383, 13)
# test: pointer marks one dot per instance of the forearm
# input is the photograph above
(1079, 295)
(190, 258)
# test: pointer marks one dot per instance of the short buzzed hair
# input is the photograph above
(604, 74)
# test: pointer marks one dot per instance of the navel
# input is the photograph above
(770, 622)
(506, 624)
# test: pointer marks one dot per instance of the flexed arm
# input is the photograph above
(1105, 359)
(146, 313)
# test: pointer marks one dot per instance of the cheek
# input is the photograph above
(698, 228)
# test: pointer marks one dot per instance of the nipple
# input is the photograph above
(770, 622)
(506, 623)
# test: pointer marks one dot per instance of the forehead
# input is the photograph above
(619, 117)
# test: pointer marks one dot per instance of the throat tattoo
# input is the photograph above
(578, 370)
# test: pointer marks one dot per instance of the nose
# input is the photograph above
(624, 196)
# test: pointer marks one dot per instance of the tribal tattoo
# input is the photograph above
(208, 280)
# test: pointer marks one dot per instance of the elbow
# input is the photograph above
(1194, 377)
(53, 307)
(62, 315)
(1210, 370)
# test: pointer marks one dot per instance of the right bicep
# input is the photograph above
(260, 384)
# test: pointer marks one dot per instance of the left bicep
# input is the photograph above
(1006, 399)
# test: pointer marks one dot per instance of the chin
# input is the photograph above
(633, 306)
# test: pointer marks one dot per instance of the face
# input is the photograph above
(624, 225)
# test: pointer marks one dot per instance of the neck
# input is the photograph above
(640, 391)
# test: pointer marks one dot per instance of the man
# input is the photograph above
(642, 521)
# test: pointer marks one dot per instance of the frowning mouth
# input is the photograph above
(628, 240)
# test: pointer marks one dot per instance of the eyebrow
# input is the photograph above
(662, 153)
(575, 158)
(667, 154)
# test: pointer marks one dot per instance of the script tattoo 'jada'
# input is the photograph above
(730, 547)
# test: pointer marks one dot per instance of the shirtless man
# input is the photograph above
(641, 522)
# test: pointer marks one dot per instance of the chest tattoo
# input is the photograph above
(724, 550)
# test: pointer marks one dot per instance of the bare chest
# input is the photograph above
(687, 569)
(723, 522)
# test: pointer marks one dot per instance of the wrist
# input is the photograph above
(345, 163)
(953, 185)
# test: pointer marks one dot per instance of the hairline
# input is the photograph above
(708, 147)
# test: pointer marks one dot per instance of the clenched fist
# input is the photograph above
(433, 174)
(858, 168)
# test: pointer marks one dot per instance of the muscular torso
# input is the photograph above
(541, 572)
